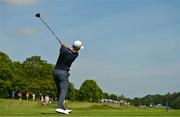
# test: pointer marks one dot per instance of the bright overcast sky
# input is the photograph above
(132, 47)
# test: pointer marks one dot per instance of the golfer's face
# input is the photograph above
(76, 49)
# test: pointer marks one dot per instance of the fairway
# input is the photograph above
(80, 109)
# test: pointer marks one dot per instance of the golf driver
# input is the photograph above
(39, 16)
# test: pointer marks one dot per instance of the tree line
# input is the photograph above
(170, 100)
(34, 75)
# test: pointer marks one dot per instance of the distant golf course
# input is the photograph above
(25, 108)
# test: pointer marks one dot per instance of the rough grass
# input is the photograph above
(24, 108)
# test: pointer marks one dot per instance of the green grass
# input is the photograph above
(80, 109)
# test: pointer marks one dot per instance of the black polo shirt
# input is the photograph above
(66, 58)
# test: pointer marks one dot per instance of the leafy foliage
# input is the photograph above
(173, 100)
(90, 91)
(71, 95)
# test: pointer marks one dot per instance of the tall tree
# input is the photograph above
(6, 75)
(90, 91)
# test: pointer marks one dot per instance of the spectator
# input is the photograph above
(20, 95)
(27, 96)
(47, 99)
(33, 96)
(13, 94)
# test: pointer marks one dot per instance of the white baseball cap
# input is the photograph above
(78, 44)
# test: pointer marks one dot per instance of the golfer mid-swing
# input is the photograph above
(61, 72)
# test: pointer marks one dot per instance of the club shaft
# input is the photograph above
(50, 30)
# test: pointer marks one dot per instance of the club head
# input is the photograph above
(37, 15)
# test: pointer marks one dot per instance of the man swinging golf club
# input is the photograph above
(61, 70)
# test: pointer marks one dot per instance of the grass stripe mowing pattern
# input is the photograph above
(16, 108)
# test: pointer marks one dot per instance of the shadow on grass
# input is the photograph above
(49, 113)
